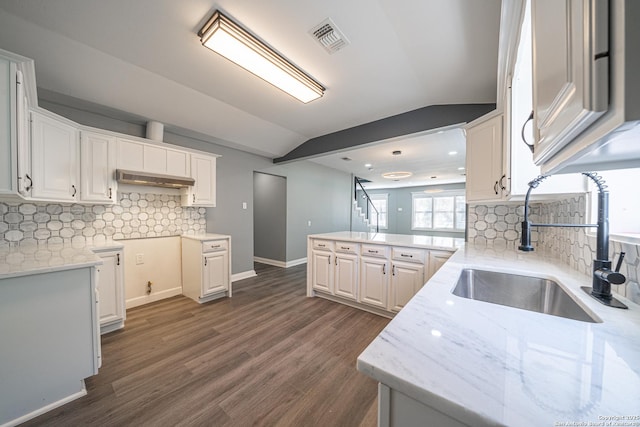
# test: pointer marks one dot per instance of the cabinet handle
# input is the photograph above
(205, 261)
(321, 246)
(110, 193)
(393, 270)
(329, 260)
(344, 249)
(372, 252)
(522, 132)
(336, 260)
(384, 268)
(407, 255)
(117, 259)
(194, 197)
(495, 187)
(502, 187)
(74, 191)
(30, 186)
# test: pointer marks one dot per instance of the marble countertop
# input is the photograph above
(415, 241)
(486, 364)
(205, 237)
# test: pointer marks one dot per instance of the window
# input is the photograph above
(446, 211)
(624, 204)
(381, 203)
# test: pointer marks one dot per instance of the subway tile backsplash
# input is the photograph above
(498, 226)
(137, 215)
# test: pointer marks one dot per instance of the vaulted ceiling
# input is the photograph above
(144, 57)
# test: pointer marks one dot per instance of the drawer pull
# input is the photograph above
(345, 248)
(407, 255)
(372, 252)
(321, 245)
(215, 246)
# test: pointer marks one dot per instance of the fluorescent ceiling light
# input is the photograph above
(228, 39)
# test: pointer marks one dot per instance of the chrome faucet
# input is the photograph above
(603, 276)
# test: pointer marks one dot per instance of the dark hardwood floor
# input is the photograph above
(267, 356)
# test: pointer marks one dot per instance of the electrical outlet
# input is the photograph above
(309, 223)
(244, 205)
(139, 259)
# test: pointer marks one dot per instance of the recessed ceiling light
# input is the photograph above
(460, 169)
(396, 152)
(453, 153)
(367, 165)
(396, 175)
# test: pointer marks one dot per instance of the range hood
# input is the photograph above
(153, 179)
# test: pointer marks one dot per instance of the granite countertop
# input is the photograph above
(425, 242)
(486, 364)
(205, 237)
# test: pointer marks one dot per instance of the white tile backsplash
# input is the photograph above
(499, 226)
(137, 215)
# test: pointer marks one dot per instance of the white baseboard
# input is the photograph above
(282, 264)
(47, 408)
(156, 296)
(243, 275)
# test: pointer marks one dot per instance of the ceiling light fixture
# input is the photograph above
(228, 39)
(396, 175)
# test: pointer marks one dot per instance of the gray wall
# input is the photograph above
(269, 216)
(400, 221)
(314, 193)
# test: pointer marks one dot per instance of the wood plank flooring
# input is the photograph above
(268, 356)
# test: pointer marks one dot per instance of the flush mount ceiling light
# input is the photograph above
(396, 175)
(228, 39)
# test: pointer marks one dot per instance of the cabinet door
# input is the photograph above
(177, 163)
(406, 281)
(570, 70)
(55, 159)
(346, 275)
(203, 170)
(374, 282)
(485, 178)
(25, 183)
(7, 126)
(216, 273)
(97, 163)
(322, 272)
(111, 288)
(436, 260)
(130, 155)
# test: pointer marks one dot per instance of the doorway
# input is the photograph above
(270, 219)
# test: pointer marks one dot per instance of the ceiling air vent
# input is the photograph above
(329, 36)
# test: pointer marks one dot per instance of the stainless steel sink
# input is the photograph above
(524, 292)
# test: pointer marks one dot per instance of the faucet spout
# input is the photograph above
(603, 276)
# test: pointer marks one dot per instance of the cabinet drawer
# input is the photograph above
(214, 246)
(323, 245)
(347, 247)
(408, 254)
(374, 251)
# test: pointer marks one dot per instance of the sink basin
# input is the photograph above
(524, 292)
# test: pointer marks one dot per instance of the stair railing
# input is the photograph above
(368, 199)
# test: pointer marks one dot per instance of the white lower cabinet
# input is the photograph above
(206, 267)
(374, 281)
(111, 298)
(346, 276)
(406, 280)
(374, 277)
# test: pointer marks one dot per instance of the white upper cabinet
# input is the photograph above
(570, 70)
(55, 159)
(98, 165)
(146, 157)
(485, 177)
(7, 126)
(203, 171)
